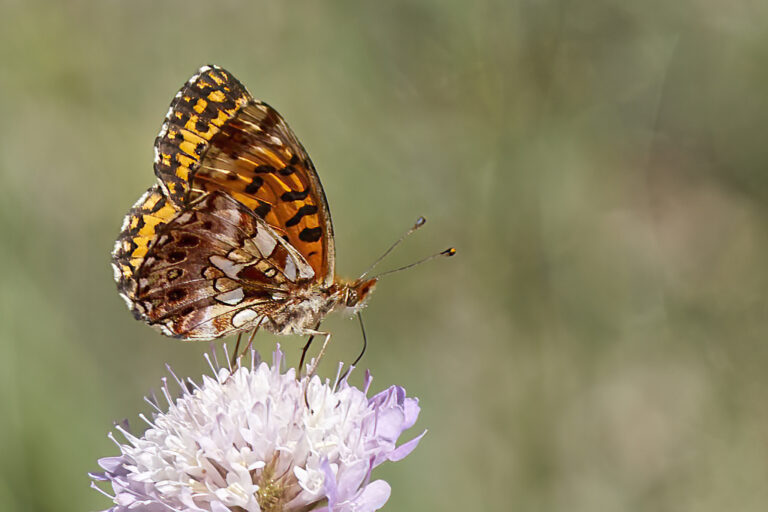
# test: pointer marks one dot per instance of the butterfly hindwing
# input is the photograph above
(217, 137)
(216, 268)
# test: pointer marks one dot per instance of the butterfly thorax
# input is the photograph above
(309, 304)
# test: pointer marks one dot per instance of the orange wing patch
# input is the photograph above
(151, 211)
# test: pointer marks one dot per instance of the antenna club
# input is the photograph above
(449, 251)
(419, 222)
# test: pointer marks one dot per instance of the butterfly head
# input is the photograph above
(356, 293)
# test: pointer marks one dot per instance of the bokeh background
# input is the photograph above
(600, 342)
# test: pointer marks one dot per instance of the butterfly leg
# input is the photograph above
(235, 356)
(316, 362)
(237, 348)
(320, 354)
(303, 355)
(304, 352)
(250, 338)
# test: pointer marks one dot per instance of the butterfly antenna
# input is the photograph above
(448, 252)
(365, 346)
(419, 222)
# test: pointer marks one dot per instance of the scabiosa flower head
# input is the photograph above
(248, 439)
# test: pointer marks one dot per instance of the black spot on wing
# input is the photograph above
(263, 209)
(310, 234)
(263, 169)
(140, 223)
(294, 195)
(188, 241)
(176, 295)
(254, 185)
(307, 209)
(177, 256)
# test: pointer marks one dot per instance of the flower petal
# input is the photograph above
(405, 449)
(373, 497)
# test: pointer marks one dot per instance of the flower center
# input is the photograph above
(272, 487)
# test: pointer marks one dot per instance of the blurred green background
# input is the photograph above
(599, 342)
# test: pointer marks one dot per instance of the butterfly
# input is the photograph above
(236, 234)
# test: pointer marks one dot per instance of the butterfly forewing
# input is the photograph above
(215, 269)
(217, 137)
(256, 158)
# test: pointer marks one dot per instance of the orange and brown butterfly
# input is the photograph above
(237, 233)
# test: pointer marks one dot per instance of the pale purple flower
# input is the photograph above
(247, 441)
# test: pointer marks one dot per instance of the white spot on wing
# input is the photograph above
(223, 284)
(290, 269)
(227, 266)
(184, 217)
(240, 256)
(232, 297)
(228, 214)
(265, 242)
(305, 270)
(243, 317)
